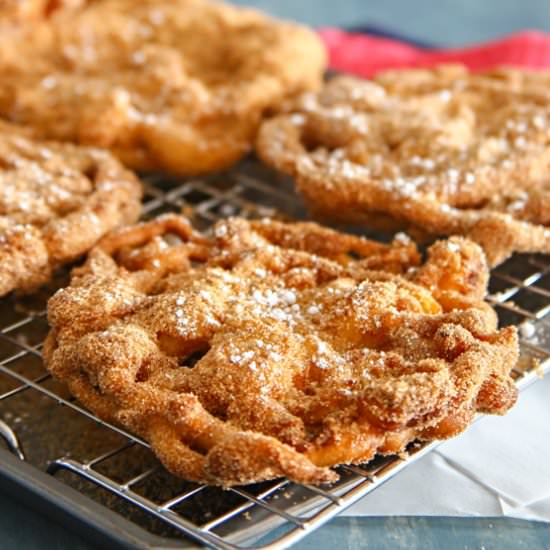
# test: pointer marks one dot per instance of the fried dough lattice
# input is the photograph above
(56, 202)
(277, 349)
(177, 85)
(442, 151)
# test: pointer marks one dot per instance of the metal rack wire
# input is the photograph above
(42, 425)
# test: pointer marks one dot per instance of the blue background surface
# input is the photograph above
(446, 22)
(449, 22)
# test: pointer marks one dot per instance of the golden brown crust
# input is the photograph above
(56, 202)
(441, 150)
(25, 11)
(274, 349)
(174, 85)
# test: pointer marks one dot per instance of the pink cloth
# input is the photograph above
(365, 55)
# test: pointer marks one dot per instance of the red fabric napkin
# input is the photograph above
(365, 55)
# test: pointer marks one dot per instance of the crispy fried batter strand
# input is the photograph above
(177, 85)
(443, 151)
(56, 202)
(275, 349)
(15, 11)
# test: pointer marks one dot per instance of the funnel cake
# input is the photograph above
(440, 151)
(277, 349)
(56, 202)
(176, 85)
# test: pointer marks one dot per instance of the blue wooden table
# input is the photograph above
(448, 22)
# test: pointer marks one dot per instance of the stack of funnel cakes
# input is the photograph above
(176, 85)
(441, 151)
(273, 349)
(262, 349)
(56, 202)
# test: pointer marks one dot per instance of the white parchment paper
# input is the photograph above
(499, 467)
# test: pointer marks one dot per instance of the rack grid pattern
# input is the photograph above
(118, 470)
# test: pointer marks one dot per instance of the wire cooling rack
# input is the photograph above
(109, 480)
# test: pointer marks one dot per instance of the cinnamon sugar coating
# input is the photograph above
(442, 151)
(56, 202)
(175, 85)
(271, 349)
